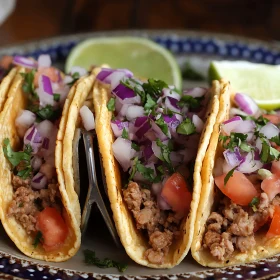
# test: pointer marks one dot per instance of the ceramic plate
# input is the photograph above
(198, 49)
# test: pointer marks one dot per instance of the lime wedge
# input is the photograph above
(143, 57)
(260, 81)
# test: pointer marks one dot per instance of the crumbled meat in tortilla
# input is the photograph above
(161, 227)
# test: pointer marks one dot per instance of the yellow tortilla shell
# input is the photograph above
(5, 85)
(209, 198)
(15, 103)
(133, 241)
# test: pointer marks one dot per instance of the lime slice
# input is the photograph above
(143, 57)
(260, 81)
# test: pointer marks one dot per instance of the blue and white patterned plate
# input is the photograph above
(198, 49)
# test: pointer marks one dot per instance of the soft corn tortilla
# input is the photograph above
(133, 241)
(209, 199)
(14, 104)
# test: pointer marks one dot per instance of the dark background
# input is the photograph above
(35, 19)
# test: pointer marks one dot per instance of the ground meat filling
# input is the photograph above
(161, 226)
(27, 203)
(233, 226)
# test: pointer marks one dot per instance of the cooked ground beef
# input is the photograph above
(162, 227)
(233, 226)
(19, 182)
(27, 203)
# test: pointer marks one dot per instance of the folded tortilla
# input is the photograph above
(132, 239)
(16, 101)
(210, 197)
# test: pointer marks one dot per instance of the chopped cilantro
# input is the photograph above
(28, 85)
(190, 102)
(246, 147)
(90, 258)
(150, 104)
(47, 113)
(189, 73)
(186, 127)
(154, 88)
(124, 134)
(21, 159)
(235, 140)
(136, 87)
(56, 97)
(162, 125)
(111, 104)
(276, 140)
(38, 239)
(268, 154)
(255, 201)
(165, 152)
(229, 174)
(135, 147)
(75, 76)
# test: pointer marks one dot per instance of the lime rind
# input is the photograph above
(146, 46)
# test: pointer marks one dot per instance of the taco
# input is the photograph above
(152, 142)
(239, 209)
(36, 210)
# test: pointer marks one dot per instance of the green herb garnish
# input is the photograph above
(186, 127)
(38, 239)
(190, 102)
(28, 85)
(162, 125)
(124, 134)
(135, 147)
(150, 104)
(276, 140)
(154, 88)
(268, 153)
(90, 258)
(56, 97)
(235, 140)
(229, 174)
(75, 76)
(21, 159)
(47, 113)
(255, 201)
(111, 104)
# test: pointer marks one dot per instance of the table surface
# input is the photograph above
(35, 19)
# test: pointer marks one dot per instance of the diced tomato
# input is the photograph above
(53, 228)
(51, 72)
(274, 228)
(271, 186)
(275, 119)
(238, 188)
(176, 193)
(6, 61)
(275, 168)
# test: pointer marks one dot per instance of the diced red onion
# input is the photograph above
(195, 92)
(48, 170)
(36, 162)
(123, 111)
(87, 118)
(45, 91)
(25, 62)
(198, 123)
(44, 60)
(80, 70)
(140, 121)
(134, 111)
(33, 138)
(245, 127)
(124, 92)
(159, 132)
(118, 126)
(250, 136)
(234, 111)
(123, 152)
(39, 181)
(45, 128)
(24, 120)
(247, 104)
(150, 135)
(231, 124)
(156, 149)
(148, 152)
(169, 92)
(269, 130)
(105, 72)
(249, 164)
(135, 99)
(259, 144)
(127, 72)
(171, 103)
(233, 158)
(67, 79)
(143, 130)
(163, 205)
(114, 79)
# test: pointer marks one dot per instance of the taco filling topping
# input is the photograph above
(248, 176)
(157, 131)
(36, 201)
